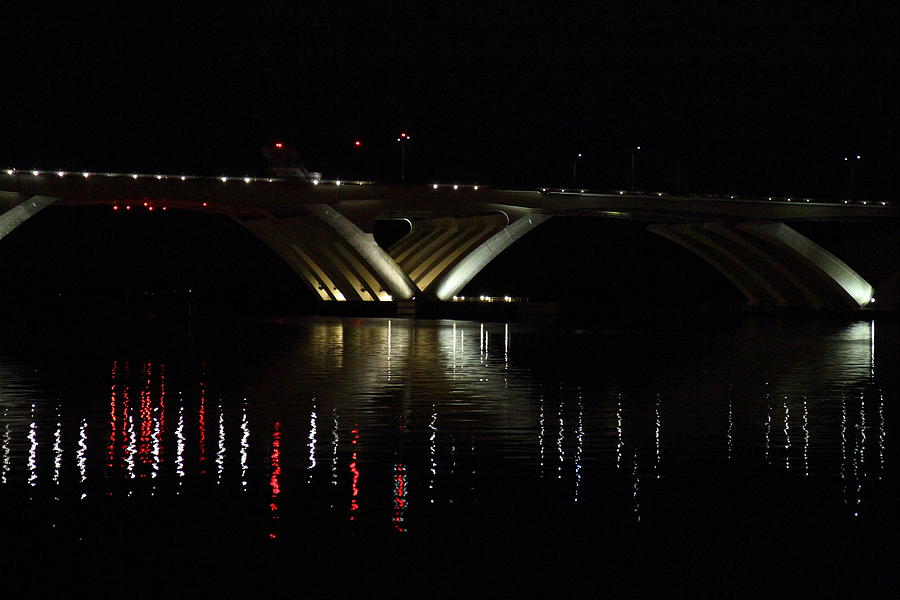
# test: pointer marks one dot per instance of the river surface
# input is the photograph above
(374, 457)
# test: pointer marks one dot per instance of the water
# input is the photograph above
(434, 458)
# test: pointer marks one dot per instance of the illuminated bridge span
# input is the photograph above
(323, 229)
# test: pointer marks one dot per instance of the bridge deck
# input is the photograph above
(363, 202)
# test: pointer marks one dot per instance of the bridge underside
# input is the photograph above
(772, 264)
(15, 209)
(768, 261)
(339, 261)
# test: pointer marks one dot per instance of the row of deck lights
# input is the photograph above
(661, 194)
(482, 298)
(338, 182)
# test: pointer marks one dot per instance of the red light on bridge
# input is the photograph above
(205, 204)
(279, 145)
(150, 208)
(128, 207)
(116, 207)
(358, 144)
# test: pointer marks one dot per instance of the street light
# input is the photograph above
(575, 168)
(851, 160)
(403, 139)
(633, 151)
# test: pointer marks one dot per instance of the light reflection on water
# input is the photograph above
(377, 420)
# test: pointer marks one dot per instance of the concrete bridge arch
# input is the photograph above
(325, 232)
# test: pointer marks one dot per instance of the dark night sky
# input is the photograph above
(751, 99)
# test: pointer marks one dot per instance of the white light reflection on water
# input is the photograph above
(658, 435)
(180, 445)
(730, 434)
(245, 445)
(579, 446)
(787, 435)
(131, 449)
(541, 433)
(156, 445)
(506, 346)
(312, 442)
(57, 448)
(483, 423)
(805, 438)
(220, 454)
(620, 444)
(32, 450)
(432, 452)
(6, 453)
(768, 427)
(559, 440)
(843, 468)
(635, 484)
(335, 440)
(881, 434)
(81, 454)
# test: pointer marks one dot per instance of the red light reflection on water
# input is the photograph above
(354, 484)
(126, 453)
(400, 501)
(162, 407)
(202, 426)
(111, 448)
(276, 471)
(146, 418)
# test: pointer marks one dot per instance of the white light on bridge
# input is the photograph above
(159, 176)
(35, 173)
(315, 182)
(338, 182)
(61, 173)
(85, 174)
(183, 178)
(434, 186)
(223, 179)
(476, 189)
(134, 176)
(455, 187)
(246, 180)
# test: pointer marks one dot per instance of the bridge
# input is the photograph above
(324, 229)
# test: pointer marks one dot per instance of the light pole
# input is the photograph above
(851, 160)
(404, 137)
(633, 151)
(575, 169)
